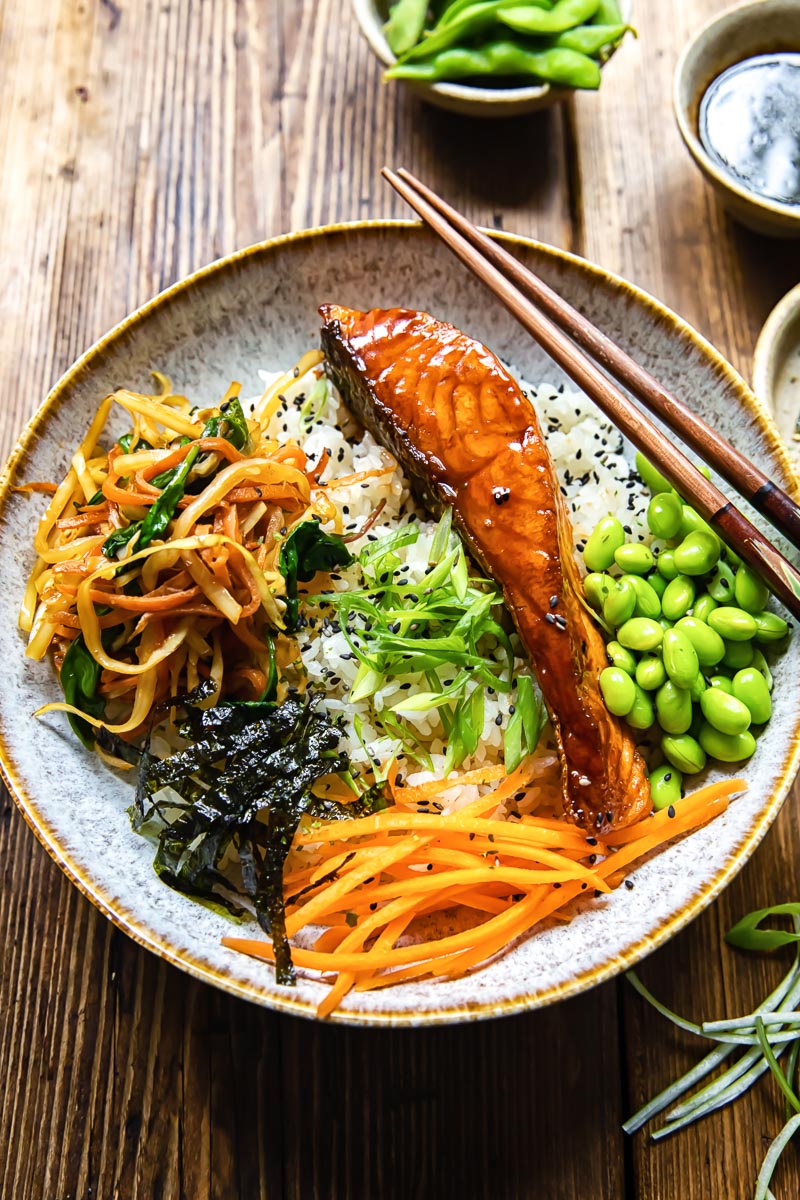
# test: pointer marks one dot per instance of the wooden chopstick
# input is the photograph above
(731, 525)
(763, 493)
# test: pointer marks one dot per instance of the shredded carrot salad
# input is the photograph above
(367, 881)
(161, 550)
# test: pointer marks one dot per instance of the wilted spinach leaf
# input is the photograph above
(308, 549)
(79, 676)
(229, 424)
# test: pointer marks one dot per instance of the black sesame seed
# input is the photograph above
(553, 601)
(671, 811)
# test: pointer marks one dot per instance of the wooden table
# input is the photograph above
(138, 141)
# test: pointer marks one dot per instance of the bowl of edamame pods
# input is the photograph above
(494, 58)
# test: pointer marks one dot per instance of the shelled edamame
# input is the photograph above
(553, 41)
(687, 620)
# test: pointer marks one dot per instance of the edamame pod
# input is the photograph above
(618, 656)
(604, 541)
(680, 658)
(732, 624)
(665, 786)
(704, 605)
(770, 627)
(651, 476)
(619, 691)
(640, 633)
(678, 597)
(641, 715)
(738, 655)
(648, 603)
(709, 646)
(665, 564)
(697, 554)
(721, 584)
(673, 708)
(565, 14)
(497, 58)
(750, 686)
(684, 752)
(651, 673)
(664, 513)
(619, 604)
(635, 559)
(596, 587)
(725, 746)
(750, 593)
(724, 711)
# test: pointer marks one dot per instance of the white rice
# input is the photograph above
(595, 477)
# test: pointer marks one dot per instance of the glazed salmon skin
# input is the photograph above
(467, 436)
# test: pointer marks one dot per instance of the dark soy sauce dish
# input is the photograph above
(749, 125)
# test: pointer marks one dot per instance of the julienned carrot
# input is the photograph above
(411, 864)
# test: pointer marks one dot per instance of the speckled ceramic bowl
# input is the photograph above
(258, 309)
(776, 368)
(758, 27)
(463, 98)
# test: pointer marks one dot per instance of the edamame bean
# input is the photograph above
(652, 477)
(665, 564)
(692, 522)
(651, 673)
(731, 557)
(665, 624)
(673, 708)
(721, 584)
(709, 646)
(665, 786)
(619, 691)
(618, 656)
(697, 553)
(678, 597)
(635, 559)
(724, 711)
(737, 655)
(680, 658)
(641, 715)
(604, 541)
(640, 633)
(596, 587)
(684, 752)
(750, 686)
(725, 746)
(704, 605)
(750, 593)
(664, 513)
(658, 583)
(761, 664)
(770, 627)
(698, 686)
(732, 624)
(648, 603)
(619, 604)
(722, 682)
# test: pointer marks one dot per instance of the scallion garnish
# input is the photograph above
(774, 1026)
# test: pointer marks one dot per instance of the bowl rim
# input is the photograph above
(138, 929)
(787, 308)
(366, 15)
(789, 213)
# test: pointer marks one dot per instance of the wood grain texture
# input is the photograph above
(139, 140)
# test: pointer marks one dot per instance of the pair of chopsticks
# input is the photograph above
(561, 331)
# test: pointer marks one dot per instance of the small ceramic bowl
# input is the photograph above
(759, 27)
(461, 97)
(776, 368)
